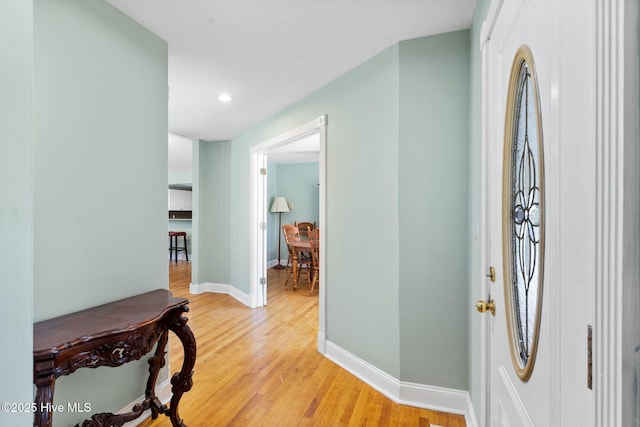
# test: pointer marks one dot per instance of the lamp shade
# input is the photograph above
(279, 205)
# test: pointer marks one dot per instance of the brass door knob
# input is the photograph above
(484, 306)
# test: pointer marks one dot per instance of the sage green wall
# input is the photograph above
(16, 226)
(386, 119)
(99, 175)
(362, 192)
(298, 182)
(214, 234)
(475, 201)
(433, 159)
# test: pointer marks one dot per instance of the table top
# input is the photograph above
(60, 333)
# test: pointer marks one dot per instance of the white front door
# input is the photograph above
(514, 401)
(544, 381)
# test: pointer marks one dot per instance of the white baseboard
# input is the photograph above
(470, 414)
(375, 377)
(273, 263)
(419, 395)
(163, 391)
(322, 343)
(220, 288)
(439, 399)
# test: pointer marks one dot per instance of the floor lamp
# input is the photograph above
(279, 205)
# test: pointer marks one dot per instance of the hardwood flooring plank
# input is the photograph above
(260, 367)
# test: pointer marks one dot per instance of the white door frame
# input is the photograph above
(616, 216)
(485, 363)
(258, 205)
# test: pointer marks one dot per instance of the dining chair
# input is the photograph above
(304, 228)
(291, 234)
(314, 240)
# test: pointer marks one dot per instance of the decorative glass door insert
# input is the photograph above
(523, 213)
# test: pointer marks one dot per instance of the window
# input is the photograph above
(523, 213)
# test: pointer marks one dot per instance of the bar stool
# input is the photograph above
(173, 244)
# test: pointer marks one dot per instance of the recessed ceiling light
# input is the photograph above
(224, 97)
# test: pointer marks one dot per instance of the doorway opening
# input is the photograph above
(259, 208)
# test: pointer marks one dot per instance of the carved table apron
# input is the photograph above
(112, 335)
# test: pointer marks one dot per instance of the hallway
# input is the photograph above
(261, 367)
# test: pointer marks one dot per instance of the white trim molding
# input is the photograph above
(221, 288)
(406, 393)
(322, 343)
(490, 22)
(609, 198)
(258, 262)
(440, 399)
(616, 343)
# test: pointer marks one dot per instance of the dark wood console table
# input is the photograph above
(112, 335)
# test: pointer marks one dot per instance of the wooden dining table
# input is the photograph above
(300, 246)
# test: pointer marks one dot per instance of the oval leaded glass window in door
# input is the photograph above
(523, 213)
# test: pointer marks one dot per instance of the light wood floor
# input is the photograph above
(260, 367)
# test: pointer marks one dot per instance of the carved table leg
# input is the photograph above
(182, 380)
(155, 364)
(45, 382)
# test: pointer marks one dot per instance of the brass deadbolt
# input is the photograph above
(492, 274)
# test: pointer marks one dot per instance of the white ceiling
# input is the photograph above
(269, 54)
